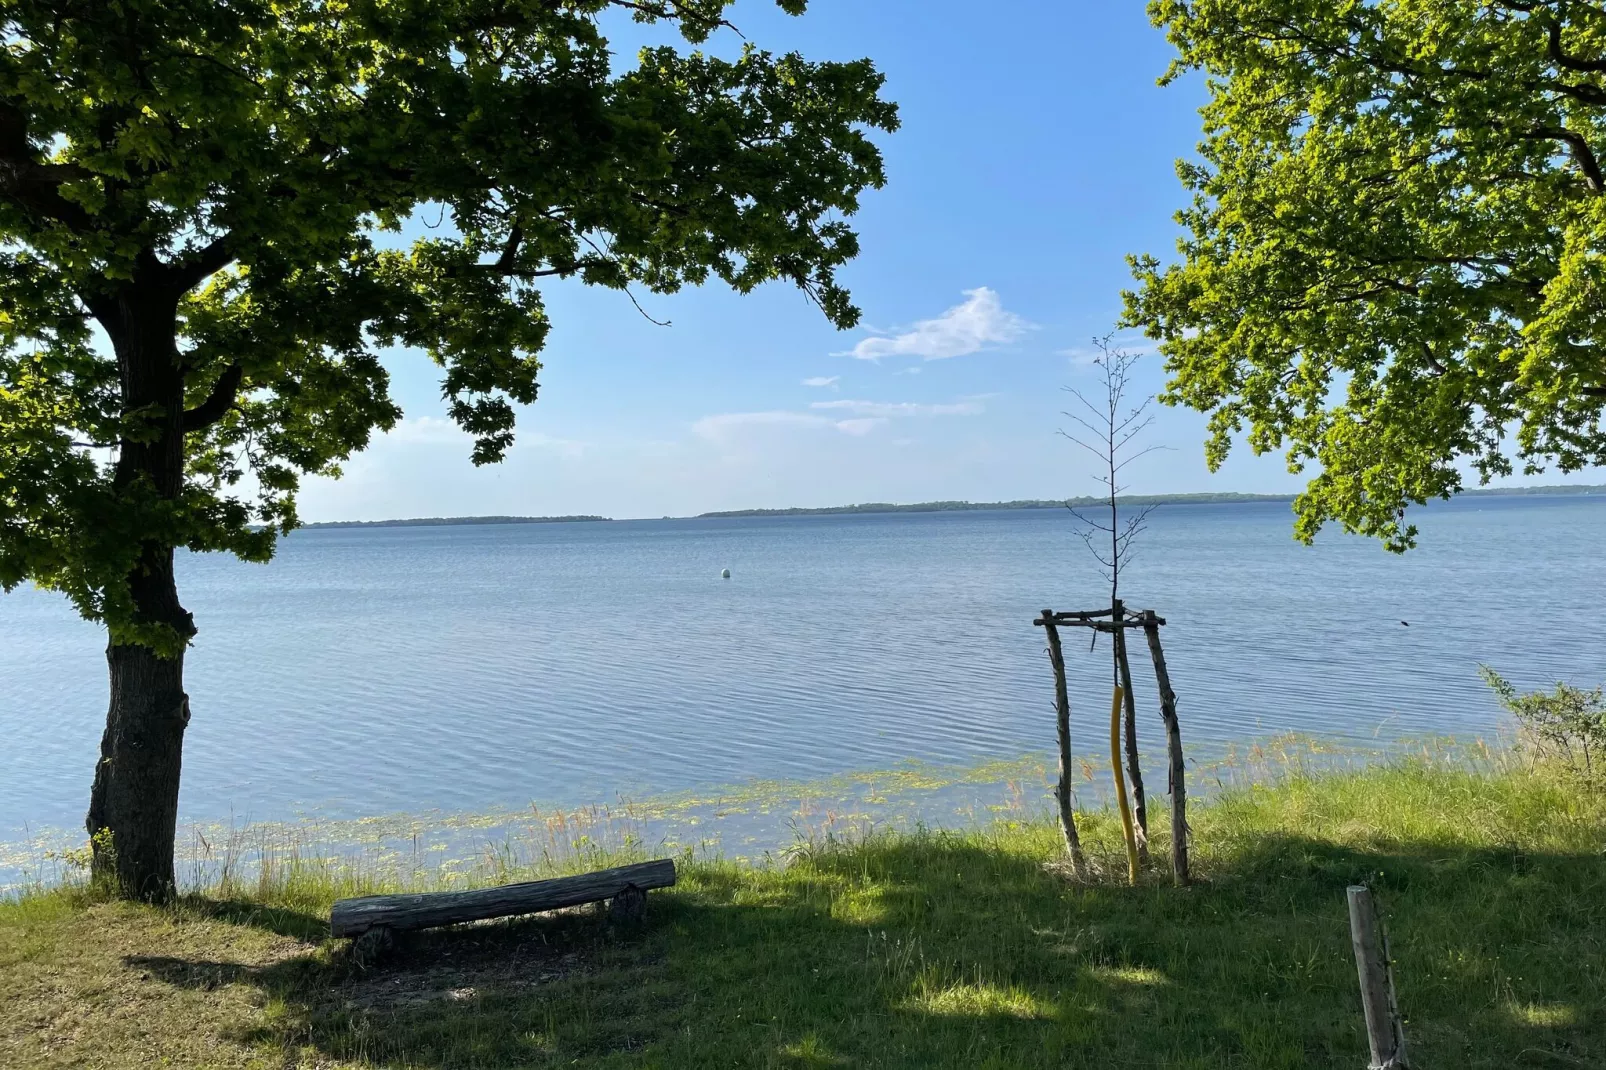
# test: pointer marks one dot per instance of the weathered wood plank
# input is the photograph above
(1088, 619)
(1096, 625)
(424, 910)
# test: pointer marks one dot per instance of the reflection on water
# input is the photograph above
(758, 822)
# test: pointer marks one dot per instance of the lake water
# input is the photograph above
(369, 671)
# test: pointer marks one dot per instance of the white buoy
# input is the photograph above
(724, 573)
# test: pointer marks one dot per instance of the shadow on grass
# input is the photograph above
(281, 920)
(945, 951)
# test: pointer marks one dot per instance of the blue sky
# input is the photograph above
(1036, 152)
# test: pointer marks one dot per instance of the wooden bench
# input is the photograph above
(381, 915)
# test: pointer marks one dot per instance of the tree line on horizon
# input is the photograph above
(1202, 498)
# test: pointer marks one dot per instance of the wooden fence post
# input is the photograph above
(1173, 746)
(1062, 720)
(1384, 1033)
(1134, 769)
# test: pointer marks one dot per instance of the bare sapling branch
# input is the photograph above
(1108, 426)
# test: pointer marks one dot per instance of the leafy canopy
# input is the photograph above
(230, 169)
(1395, 257)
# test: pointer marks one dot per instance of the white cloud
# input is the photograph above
(823, 380)
(886, 409)
(720, 426)
(438, 430)
(859, 418)
(979, 322)
(426, 429)
(566, 447)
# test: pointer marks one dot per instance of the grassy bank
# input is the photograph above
(920, 949)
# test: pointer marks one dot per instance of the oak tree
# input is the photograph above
(200, 258)
(1394, 262)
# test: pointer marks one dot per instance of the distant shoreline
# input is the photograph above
(934, 507)
(1125, 499)
(452, 521)
(1024, 503)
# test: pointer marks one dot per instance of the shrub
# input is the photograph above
(1567, 726)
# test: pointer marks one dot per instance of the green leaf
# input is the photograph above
(1395, 247)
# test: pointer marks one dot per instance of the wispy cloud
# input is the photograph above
(426, 429)
(888, 409)
(823, 380)
(721, 425)
(849, 416)
(438, 430)
(975, 324)
(564, 447)
(860, 426)
(726, 426)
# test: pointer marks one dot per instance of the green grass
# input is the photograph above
(918, 949)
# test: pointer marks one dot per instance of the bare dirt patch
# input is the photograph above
(457, 964)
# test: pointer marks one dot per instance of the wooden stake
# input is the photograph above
(1134, 768)
(1173, 746)
(1120, 788)
(1062, 720)
(1384, 1033)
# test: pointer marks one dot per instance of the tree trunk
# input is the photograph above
(133, 805)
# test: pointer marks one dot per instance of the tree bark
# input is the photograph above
(1134, 767)
(1173, 748)
(133, 805)
(425, 910)
(1062, 722)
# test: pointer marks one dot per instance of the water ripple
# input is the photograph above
(372, 671)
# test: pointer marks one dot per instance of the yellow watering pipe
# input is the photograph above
(1120, 787)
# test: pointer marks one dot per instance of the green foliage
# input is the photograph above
(1566, 726)
(211, 185)
(1396, 248)
(77, 860)
(76, 865)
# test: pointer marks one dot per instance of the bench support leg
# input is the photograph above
(628, 907)
(372, 945)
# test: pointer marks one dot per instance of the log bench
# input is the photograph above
(373, 918)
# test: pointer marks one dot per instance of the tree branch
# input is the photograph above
(505, 266)
(32, 185)
(1579, 148)
(504, 263)
(194, 269)
(217, 403)
(1571, 63)
(674, 11)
